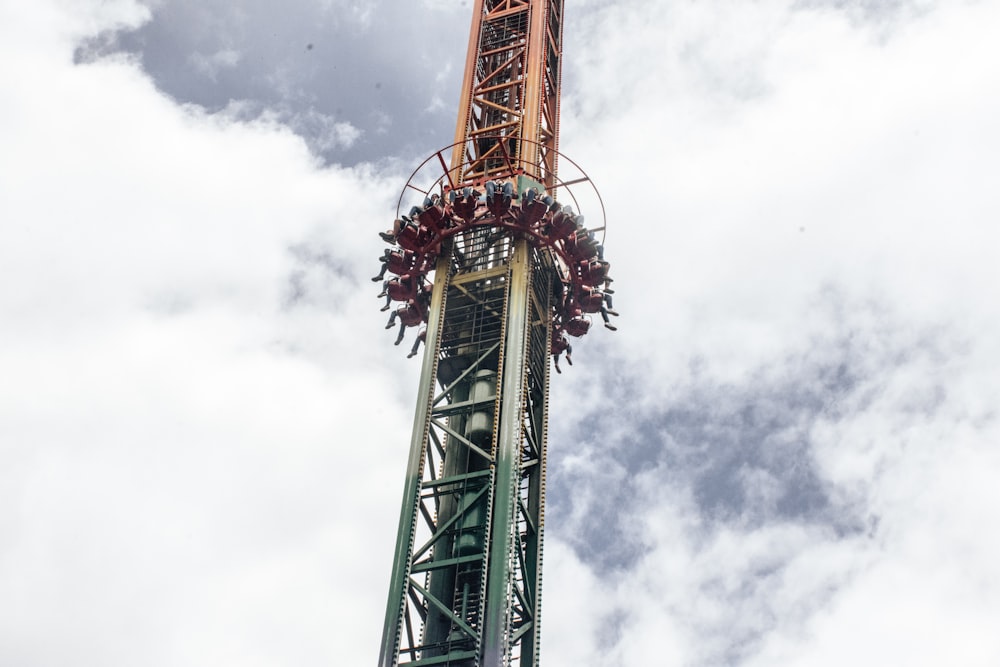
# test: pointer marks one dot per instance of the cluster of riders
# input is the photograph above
(416, 241)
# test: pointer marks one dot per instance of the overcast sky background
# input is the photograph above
(786, 456)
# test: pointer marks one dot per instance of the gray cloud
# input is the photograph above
(742, 450)
(743, 458)
(320, 65)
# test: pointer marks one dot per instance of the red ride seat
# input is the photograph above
(414, 238)
(577, 326)
(431, 216)
(561, 226)
(407, 238)
(583, 247)
(400, 262)
(531, 213)
(593, 273)
(465, 207)
(400, 289)
(411, 314)
(591, 300)
(559, 344)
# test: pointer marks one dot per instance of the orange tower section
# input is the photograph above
(508, 114)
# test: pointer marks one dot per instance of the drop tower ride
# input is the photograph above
(498, 263)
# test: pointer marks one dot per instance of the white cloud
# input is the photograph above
(174, 432)
(203, 425)
(791, 190)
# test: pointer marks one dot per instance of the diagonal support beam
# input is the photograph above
(473, 366)
(443, 528)
(462, 439)
(443, 608)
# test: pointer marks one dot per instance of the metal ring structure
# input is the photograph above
(445, 175)
(434, 174)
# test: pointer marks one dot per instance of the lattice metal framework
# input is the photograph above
(466, 581)
(508, 115)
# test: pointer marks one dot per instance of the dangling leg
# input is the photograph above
(402, 332)
(390, 236)
(611, 308)
(381, 273)
(416, 343)
(392, 320)
(607, 320)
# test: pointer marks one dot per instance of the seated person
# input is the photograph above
(464, 203)
(594, 272)
(561, 225)
(432, 213)
(578, 326)
(398, 289)
(561, 344)
(498, 197)
(532, 209)
(410, 314)
(582, 245)
(390, 235)
(414, 237)
(398, 262)
(429, 201)
(592, 300)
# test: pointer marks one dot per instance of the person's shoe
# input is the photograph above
(376, 279)
(411, 354)
(390, 325)
(387, 237)
(386, 307)
(381, 295)
(398, 341)
(608, 325)
(608, 291)
(612, 312)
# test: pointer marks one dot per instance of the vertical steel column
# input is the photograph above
(393, 625)
(496, 639)
(466, 96)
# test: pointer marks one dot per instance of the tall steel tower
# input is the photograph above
(496, 259)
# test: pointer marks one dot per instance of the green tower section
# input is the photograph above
(465, 587)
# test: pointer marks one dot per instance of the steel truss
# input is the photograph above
(509, 110)
(466, 579)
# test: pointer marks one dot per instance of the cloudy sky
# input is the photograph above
(786, 456)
